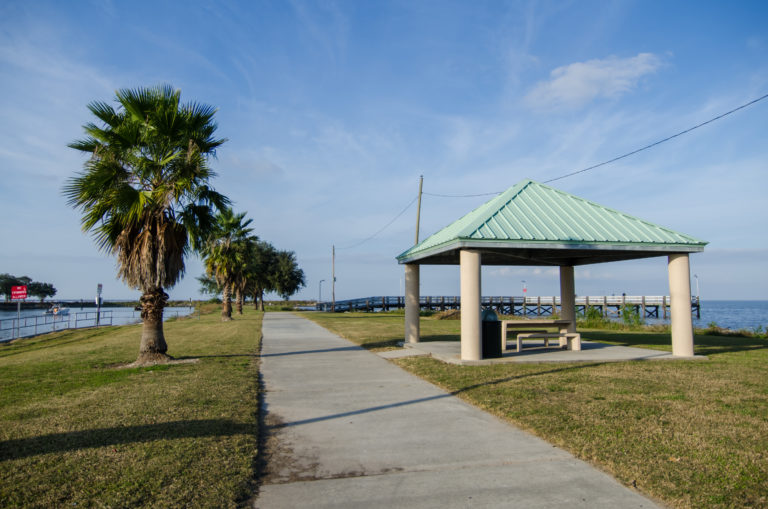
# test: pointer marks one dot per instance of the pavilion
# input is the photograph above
(536, 225)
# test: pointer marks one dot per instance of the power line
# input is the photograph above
(750, 103)
(461, 195)
(745, 105)
(383, 227)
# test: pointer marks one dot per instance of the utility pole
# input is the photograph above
(333, 280)
(418, 209)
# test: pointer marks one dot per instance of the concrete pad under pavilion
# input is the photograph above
(532, 224)
(535, 352)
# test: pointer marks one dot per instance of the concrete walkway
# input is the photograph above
(350, 429)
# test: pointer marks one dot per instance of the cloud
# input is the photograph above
(254, 165)
(576, 84)
(325, 24)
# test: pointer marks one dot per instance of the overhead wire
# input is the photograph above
(460, 195)
(613, 160)
(383, 227)
(598, 165)
(750, 103)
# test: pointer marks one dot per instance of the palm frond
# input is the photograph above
(145, 192)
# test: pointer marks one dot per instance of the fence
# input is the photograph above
(28, 326)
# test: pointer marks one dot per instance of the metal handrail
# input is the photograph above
(29, 326)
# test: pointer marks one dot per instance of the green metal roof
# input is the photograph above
(534, 224)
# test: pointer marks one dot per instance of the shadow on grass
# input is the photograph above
(90, 438)
(222, 356)
(430, 398)
(704, 344)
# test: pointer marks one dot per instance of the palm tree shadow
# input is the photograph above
(222, 356)
(92, 438)
(444, 395)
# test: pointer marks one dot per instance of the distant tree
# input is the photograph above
(145, 193)
(7, 281)
(223, 255)
(247, 248)
(41, 290)
(261, 269)
(288, 278)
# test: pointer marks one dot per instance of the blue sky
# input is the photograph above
(334, 109)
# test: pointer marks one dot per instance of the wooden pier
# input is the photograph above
(655, 306)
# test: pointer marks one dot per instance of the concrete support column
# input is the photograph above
(471, 347)
(680, 305)
(411, 303)
(568, 297)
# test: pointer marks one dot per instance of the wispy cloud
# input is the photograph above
(325, 24)
(576, 84)
(254, 165)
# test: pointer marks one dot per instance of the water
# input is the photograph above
(34, 321)
(729, 314)
(734, 314)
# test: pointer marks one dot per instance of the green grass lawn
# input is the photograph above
(76, 431)
(691, 433)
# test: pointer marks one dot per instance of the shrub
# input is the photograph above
(593, 318)
(630, 315)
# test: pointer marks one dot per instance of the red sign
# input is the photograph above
(18, 292)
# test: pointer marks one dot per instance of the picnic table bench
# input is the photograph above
(537, 329)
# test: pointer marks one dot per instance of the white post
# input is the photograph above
(568, 297)
(471, 348)
(412, 303)
(680, 305)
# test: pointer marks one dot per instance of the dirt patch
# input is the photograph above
(450, 314)
(145, 364)
(280, 464)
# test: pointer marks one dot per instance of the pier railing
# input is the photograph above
(647, 306)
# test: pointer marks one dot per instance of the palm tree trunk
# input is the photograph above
(226, 303)
(153, 345)
(239, 299)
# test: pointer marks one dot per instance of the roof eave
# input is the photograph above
(662, 249)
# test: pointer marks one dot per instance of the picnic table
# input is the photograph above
(536, 329)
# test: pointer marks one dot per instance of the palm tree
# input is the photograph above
(208, 285)
(144, 193)
(244, 274)
(226, 256)
(262, 266)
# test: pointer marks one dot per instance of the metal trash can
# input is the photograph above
(491, 334)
